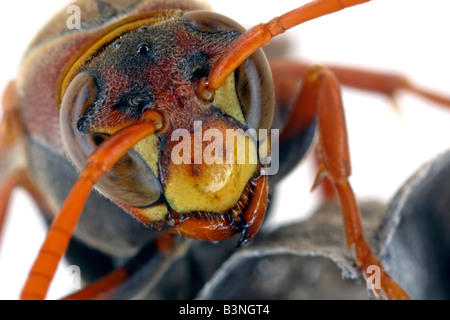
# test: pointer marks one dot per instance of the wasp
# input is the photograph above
(105, 100)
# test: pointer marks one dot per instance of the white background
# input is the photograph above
(407, 36)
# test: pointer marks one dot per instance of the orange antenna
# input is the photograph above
(58, 237)
(262, 34)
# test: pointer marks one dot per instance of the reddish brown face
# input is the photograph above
(184, 171)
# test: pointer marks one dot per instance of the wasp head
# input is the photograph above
(201, 165)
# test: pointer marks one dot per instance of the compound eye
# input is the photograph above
(255, 91)
(79, 96)
(130, 181)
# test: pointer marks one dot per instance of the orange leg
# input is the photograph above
(385, 83)
(326, 186)
(288, 75)
(321, 92)
(58, 237)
